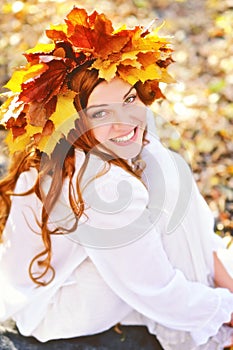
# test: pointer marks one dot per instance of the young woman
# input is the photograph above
(102, 224)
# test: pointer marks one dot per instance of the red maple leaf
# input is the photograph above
(39, 113)
(42, 88)
(105, 42)
(94, 33)
(17, 125)
(56, 35)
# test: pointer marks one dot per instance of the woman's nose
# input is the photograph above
(120, 115)
(122, 128)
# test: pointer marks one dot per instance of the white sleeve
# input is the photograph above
(138, 269)
(22, 241)
(21, 238)
(173, 188)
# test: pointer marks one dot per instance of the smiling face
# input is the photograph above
(117, 117)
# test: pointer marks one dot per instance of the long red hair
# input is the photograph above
(61, 163)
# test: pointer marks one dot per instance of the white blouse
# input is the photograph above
(140, 255)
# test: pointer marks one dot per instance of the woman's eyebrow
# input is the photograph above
(96, 106)
(105, 105)
(132, 87)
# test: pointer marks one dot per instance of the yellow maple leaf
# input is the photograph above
(32, 130)
(21, 76)
(17, 144)
(10, 108)
(146, 44)
(107, 70)
(59, 27)
(48, 143)
(4, 108)
(132, 75)
(130, 59)
(149, 42)
(65, 113)
(40, 47)
(131, 62)
(22, 141)
(153, 35)
(63, 119)
(118, 30)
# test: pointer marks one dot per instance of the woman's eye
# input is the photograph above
(99, 114)
(130, 99)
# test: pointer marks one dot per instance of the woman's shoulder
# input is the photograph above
(167, 176)
(160, 158)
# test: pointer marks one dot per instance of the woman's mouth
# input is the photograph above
(126, 138)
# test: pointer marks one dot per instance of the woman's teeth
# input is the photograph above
(124, 138)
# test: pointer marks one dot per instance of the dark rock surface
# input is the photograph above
(131, 338)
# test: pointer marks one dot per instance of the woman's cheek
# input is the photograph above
(102, 133)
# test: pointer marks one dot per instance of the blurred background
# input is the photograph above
(196, 119)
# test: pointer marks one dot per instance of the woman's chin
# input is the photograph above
(125, 151)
